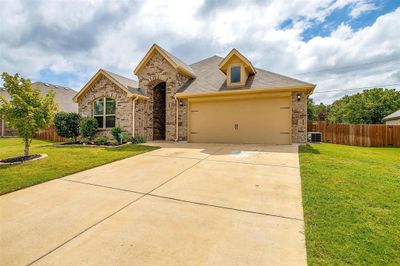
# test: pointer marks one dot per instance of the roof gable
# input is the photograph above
(127, 85)
(175, 62)
(392, 116)
(237, 56)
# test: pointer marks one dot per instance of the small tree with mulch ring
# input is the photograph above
(27, 111)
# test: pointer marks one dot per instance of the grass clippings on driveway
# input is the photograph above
(351, 198)
(61, 161)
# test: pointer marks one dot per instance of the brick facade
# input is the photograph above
(158, 70)
(299, 117)
(103, 87)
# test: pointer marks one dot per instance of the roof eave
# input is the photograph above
(391, 118)
(307, 89)
(98, 73)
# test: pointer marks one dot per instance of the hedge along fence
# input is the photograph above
(49, 134)
(357, 135)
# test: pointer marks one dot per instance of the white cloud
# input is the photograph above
(362, 7)
(78, 37)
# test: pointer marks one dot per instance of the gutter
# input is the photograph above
(306, 89)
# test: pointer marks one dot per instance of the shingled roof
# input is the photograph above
(63, 97)
(130, 84)
(211, 79)
(178, 62)
(393, 116)
(207, 77)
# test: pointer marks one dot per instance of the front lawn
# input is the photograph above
(61, 161)
(351, 198)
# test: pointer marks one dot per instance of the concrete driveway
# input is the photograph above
(184, 204)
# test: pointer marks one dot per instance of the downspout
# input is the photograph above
(176, 120)
(133, 115)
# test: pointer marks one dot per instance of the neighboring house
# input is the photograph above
(393, 119)
(63, 98)
(223, 100)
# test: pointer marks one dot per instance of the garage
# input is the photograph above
(264, 120)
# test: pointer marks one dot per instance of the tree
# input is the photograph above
(367, 107)
(67, 124)
(27, 111)
(310, 109)
(321, 112)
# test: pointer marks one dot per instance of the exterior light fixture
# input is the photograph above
(298, 97)
(180, 103)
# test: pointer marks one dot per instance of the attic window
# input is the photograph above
(235, 74)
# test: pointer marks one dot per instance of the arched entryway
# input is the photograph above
(159, 103)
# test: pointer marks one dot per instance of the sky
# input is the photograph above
(337, 44)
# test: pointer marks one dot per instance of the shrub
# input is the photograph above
(137, 140)
(116, 131)
(67, 124)
(88, 127)
(114, 143)
(84, 140)
(101, 140)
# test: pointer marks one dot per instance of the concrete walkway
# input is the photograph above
(184, 204)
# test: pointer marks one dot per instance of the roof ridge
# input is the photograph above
(208, 58)
(47, 84)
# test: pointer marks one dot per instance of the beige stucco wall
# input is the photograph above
(103, 87)
(157, 70)
(393, 122)
(299, 118)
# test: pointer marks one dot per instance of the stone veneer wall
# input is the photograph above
(183, 121)
(140, 118)
(158, 70)
(103, 87)
(299, 118)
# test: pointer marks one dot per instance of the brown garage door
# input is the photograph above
(265, 120)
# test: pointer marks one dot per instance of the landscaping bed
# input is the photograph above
(21, 159)
(351, 199)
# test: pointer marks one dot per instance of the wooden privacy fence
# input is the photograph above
(357, 135)
(49, 134)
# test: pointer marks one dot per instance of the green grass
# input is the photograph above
(61, 161)
(351, 198)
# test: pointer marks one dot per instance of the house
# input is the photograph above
(393, 119)
(220, 100)
(63, 98)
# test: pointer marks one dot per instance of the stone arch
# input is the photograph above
(158, 70)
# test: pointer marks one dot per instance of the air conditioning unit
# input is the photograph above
(315, 137)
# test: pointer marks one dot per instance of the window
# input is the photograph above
(104, 112)
(235, 74)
